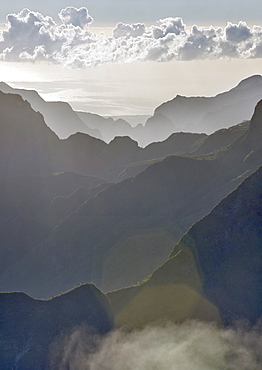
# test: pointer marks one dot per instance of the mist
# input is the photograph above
(192, 345)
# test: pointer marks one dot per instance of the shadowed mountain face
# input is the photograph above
(214, 271)
(134, 221)
(35, 334)
(26, 142)
(186, 144)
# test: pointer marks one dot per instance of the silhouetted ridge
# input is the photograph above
(208, 114)
(256, 122)
(227, 246)
(25, 140)
(59, 116)
(33, 332)
(249, 81)
(249, 144)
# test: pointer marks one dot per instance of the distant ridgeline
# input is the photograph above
(181, 114)
(79, 210)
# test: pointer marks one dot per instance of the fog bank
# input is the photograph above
(192, 345)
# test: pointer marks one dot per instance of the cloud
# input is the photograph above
(237, 33)
(71, 349)
(34, 37)
(127, 30)
(76, 17)
(168, 25)
(192, 345)
(31, 36)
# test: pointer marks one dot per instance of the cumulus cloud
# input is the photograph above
(76, 17)
(238, 33)
(168, 25)
(129, 30)
(192, 345)
(31, 36)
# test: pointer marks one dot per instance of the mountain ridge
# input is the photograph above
(153, 209)
(193, 110)
(59, 116)
(195, 114)
(213, 273)
(32, 330)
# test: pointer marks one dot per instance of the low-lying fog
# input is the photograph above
(192, 345)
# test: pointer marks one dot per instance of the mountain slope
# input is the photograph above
(186, 144)
(26, 142)
(214, 271)
(80, 152)
(33, 331)
(108, 127)
(221, 138)
(207, 114)
(135, 220)
(194, 114)
(100, 239)
(29, 209)
(59, 116)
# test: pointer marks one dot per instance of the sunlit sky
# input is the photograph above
(145, 63)
(105, 12)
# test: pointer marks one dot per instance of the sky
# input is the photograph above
(206, 12)
(123, 57)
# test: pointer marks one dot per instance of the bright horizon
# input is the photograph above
(129, 68)
(107, 91)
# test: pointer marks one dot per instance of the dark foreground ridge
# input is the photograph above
(32, 332)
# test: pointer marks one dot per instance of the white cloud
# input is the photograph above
(76, 17)
(32, 36)
(191, 345)
(237, 33)
(168, 25)
(202, 43)
(127, 30)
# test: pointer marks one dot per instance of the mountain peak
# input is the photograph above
(123, 141)
(3, 84)
(249, 81)
(256, 121)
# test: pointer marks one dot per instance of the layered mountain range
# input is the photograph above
(66, 233)
(186, 114)
(171, 231)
